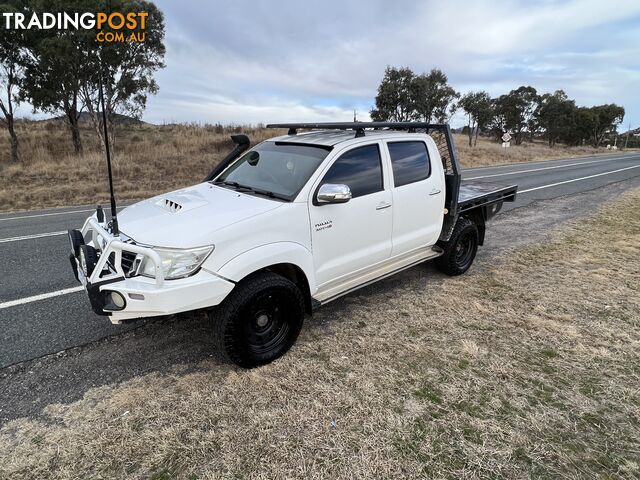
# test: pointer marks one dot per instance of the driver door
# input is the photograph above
(350, 238)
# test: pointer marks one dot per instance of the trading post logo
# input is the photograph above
(111, 27)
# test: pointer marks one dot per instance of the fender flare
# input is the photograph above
(267, 255)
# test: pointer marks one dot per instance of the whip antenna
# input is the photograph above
(114, 218)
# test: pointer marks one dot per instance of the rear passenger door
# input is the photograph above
(347, 238)
(418, 196)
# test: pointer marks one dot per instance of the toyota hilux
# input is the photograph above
(279, 229)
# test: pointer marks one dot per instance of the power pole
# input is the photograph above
(355, 115)
(626, 140)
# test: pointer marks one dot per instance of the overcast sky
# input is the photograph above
(265, 61)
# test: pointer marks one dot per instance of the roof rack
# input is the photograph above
(359, 127)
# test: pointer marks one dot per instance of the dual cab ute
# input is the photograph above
(279, 229)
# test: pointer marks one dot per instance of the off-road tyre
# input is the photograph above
(259, 320)
(75, 239)
(90, 257)
(460, 250)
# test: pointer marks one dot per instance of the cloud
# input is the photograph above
(259, 110)
(270, 60)
(260, 61)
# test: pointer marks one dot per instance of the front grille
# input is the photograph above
(128, 263)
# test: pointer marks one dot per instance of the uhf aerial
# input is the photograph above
(114, 218)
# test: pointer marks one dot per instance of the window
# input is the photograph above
(410, 161)
(280, 168)
(360, 169)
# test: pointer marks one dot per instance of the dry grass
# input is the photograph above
(148, 160)
(525, 367)
(488, 152)
(153, 159)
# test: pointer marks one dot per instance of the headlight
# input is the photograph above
(176, 263)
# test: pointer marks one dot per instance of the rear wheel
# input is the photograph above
(460, 250)
(260, 319)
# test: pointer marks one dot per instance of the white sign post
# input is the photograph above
(506, 140)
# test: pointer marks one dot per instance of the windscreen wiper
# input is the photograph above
(270, 194)
(237, 186)
(225, 182)
(266, 193)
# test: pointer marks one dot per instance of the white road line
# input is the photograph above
(552, 161)
(46, 214)
(548, 168)
(29, 237)
(43, 296)
(577, 179)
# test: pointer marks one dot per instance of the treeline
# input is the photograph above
(59, 71)
(524, 112)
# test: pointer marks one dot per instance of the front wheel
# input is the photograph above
(460, 250)
(260, 319)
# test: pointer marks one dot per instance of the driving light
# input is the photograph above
(117, 299)
(176, 263)
(114, 301)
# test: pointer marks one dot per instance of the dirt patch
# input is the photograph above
(526, 367)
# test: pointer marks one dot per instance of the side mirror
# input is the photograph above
(333, 193)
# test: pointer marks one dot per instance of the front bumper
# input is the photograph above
(143, 296)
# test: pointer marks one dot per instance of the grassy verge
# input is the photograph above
(525, 367)
(152, 159)
(487, 152)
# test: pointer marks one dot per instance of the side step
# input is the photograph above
(351, 282)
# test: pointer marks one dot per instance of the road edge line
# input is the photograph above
(577, 179)
(42, 296)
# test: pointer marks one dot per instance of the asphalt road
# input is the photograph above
(34, 255)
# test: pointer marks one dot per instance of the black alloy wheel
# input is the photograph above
(460, 250)
(266, 325)
(259, 320)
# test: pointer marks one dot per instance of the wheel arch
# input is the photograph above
(296, 275)
(290, 260)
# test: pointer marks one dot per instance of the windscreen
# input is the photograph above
(278, 168)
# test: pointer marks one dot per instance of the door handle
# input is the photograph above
(435, 192)
(383, 205)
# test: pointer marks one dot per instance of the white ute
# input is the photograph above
(293, 223)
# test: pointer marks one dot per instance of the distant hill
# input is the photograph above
(85, 119)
